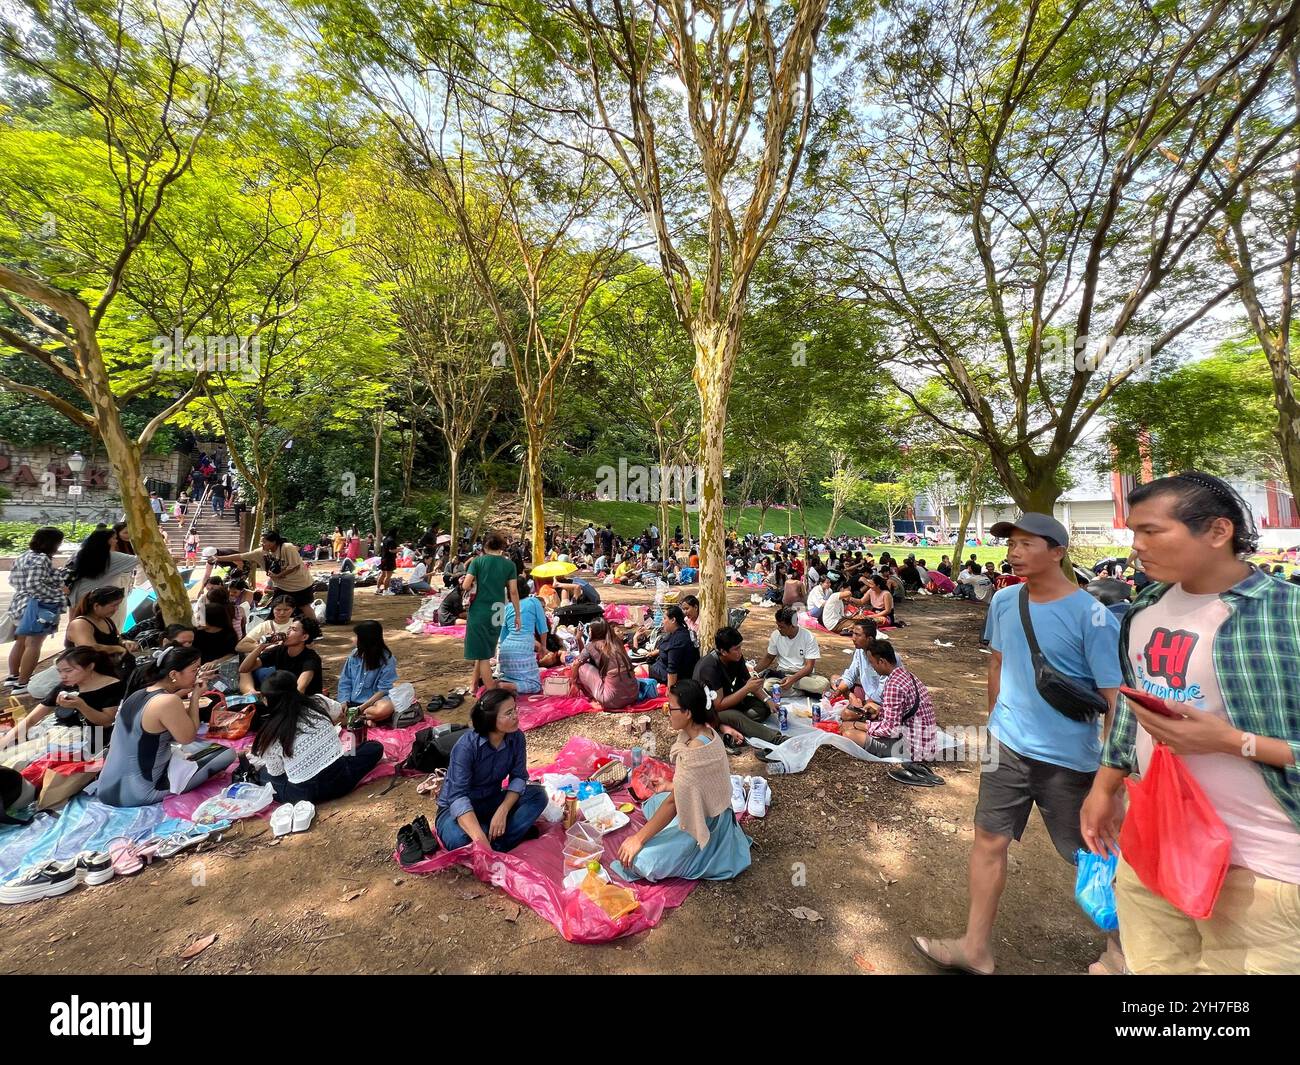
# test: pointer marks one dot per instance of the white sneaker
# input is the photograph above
(760, 796)
(738, 794)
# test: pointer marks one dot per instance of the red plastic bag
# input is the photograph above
(828, 726)
(649, 777)
(1173, 838)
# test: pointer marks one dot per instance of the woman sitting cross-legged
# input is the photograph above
(603, 670)
(369, 673)
(691, 831)
(473, 807)
(299, 750)
(164, 712)
(517, 649)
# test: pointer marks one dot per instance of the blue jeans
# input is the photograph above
(419, 587)
(522, 817)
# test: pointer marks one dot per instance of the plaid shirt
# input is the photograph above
(903, 691)
(1257, 665)
(33, 576)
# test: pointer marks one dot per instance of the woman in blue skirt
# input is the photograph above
(517, 649)
(690, 830)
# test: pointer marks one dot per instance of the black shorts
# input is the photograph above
(304, 598)
(1009, 791)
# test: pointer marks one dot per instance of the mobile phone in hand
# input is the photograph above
(1149, 702)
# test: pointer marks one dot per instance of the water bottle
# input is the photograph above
(648, 745)
(661, 587)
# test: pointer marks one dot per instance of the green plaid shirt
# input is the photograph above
(1257, 665)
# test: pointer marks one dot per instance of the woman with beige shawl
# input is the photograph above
(690, 831)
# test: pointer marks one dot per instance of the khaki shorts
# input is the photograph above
(1255, 928)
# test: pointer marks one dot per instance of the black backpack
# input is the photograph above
(430, 751)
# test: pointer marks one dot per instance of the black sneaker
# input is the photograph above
(428, 842)
(409, 850)
(244, 772)
(53, 878)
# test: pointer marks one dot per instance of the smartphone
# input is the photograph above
(1149, 701)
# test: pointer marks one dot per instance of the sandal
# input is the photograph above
(125, 856)
(452, 701)
(435, 704)
(951, 965)
(431, 784)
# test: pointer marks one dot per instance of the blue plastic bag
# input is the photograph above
(649, 688)
(1094, 887)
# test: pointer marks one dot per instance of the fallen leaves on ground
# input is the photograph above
(198, 947)
(803, 913)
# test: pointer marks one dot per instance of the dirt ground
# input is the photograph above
(877, 860)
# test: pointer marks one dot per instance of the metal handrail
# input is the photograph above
(198, 510)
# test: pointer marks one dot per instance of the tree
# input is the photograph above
(146, 83)
(723, 144)
(525, 189)
(894, 496)
(446, 324)
(1022, 194)
(1215, 414)
(1258, 238)
(847, 485)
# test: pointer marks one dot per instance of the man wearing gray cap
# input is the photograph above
(1045, 755)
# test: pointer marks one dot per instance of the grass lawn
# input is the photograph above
(629, 519)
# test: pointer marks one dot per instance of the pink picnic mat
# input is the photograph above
(397, 745)
(444, 630)
(533, 873)
(538, 710)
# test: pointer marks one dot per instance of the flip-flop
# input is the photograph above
(906, 775)
(436, 703)
(125, 856)
(952, 966)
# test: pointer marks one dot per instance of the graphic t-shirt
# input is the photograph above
(1171, 650)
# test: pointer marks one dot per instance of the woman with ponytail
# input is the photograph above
(163, 712)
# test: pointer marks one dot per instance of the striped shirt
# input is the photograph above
(1257, 665)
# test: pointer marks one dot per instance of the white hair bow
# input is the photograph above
(708, 698)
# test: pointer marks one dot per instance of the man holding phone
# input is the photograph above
(1040, 756)
(1210, 648)
(284, 567)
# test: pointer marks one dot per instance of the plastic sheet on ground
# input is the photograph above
(803, 740)
(538, 710)
(533, 873)
(82, 824)
(443, 630)
(397, 745)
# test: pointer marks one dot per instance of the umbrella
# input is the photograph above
(445, 538)
(554, 569)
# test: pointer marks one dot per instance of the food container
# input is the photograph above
(582, 843)
(601, 815)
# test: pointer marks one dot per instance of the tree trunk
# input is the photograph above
(536, 502)
(713, 386)
(453, 489)
(374, 490)
(968, 506)
(1287, 432)
(664, 484)
(124, 456)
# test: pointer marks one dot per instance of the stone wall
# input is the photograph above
(37, 481)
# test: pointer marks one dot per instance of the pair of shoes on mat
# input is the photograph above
(292, 817)
(416, 841)
(750, 794)
(915, 774)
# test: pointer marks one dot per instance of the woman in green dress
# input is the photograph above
(491, 577)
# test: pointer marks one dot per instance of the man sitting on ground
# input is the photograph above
(739, 699)
(904, 726)
(860, 675)
(288, 651)
(792, 655)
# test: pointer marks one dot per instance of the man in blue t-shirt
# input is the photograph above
(1040, 756)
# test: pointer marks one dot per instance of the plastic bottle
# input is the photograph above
(648, 745)
(661, 589)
